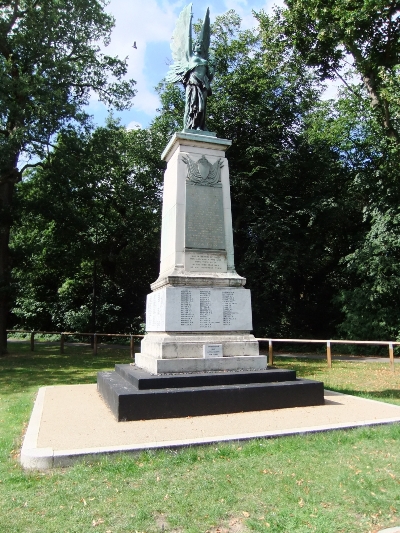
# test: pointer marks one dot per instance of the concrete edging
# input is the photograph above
(34, 458)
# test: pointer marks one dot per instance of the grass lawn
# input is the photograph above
(344, 481)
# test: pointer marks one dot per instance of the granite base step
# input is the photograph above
(134, 394)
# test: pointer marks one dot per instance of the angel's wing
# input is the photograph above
(204, 36)
(193, 170)
(177, 72)
(181, 44)
(214, 175)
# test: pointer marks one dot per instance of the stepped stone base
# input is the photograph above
(199, 364)
(132, 393)
(183, 352)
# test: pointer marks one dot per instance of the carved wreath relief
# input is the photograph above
(203, 172)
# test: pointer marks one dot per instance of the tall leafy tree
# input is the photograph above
(293, 217)
(363, 37)
(50, 62)
(365, 33)
(86, 243)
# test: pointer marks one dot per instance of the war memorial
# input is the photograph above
(198, 356)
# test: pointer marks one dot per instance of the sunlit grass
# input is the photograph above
(339, 482)
(370, 380)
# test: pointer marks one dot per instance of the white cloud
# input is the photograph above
(244, 9)
(134, 125)
(143, 22)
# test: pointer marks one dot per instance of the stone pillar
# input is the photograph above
(198, 317)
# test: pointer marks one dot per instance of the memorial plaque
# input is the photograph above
(155, 311)
(199, 309)
(204, 217)
(205, 262)
(212, 350)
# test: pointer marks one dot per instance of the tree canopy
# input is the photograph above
(314, 186)
(50, 62)
(87, 237)
(364, 33)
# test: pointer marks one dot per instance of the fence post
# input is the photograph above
(32, 341)
(391, 356)
(132, 347)
(62, 339)
(270, 353)
(95, 344)
(328, 354)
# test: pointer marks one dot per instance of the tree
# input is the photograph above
(86, 243)
(292, 215)
(49, 63)
(362, 37)
(328, 34)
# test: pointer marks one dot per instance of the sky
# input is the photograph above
(150, 24)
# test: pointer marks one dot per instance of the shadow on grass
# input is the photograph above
(302, 367)
(23, 369)
(390, 394)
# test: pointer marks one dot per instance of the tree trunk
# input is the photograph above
(7, 186)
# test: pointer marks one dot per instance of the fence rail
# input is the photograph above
(97, 336)
(329, 343)
(64, 334)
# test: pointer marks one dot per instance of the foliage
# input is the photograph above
(367, 33)
(340, 40)
(50, 63)
(86, 243)
(293, 212)
(314, 185)
(370, 303)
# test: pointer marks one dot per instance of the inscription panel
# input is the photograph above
(204, 226)
(212, 350)
(155, 311)
(205, 262)
(199, 309)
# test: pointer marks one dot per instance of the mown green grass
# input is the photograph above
(344, 481)
(369, 380)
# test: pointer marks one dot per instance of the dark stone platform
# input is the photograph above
(134, 394)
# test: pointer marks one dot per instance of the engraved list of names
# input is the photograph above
(199, 309)
(187, 311)
(209, 316)
(229, 307)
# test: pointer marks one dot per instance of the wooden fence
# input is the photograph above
(64, 334)
(328, 344)
(96, 336)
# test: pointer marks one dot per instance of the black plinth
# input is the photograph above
(134, 394)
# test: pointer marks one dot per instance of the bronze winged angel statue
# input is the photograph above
(192, 67)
